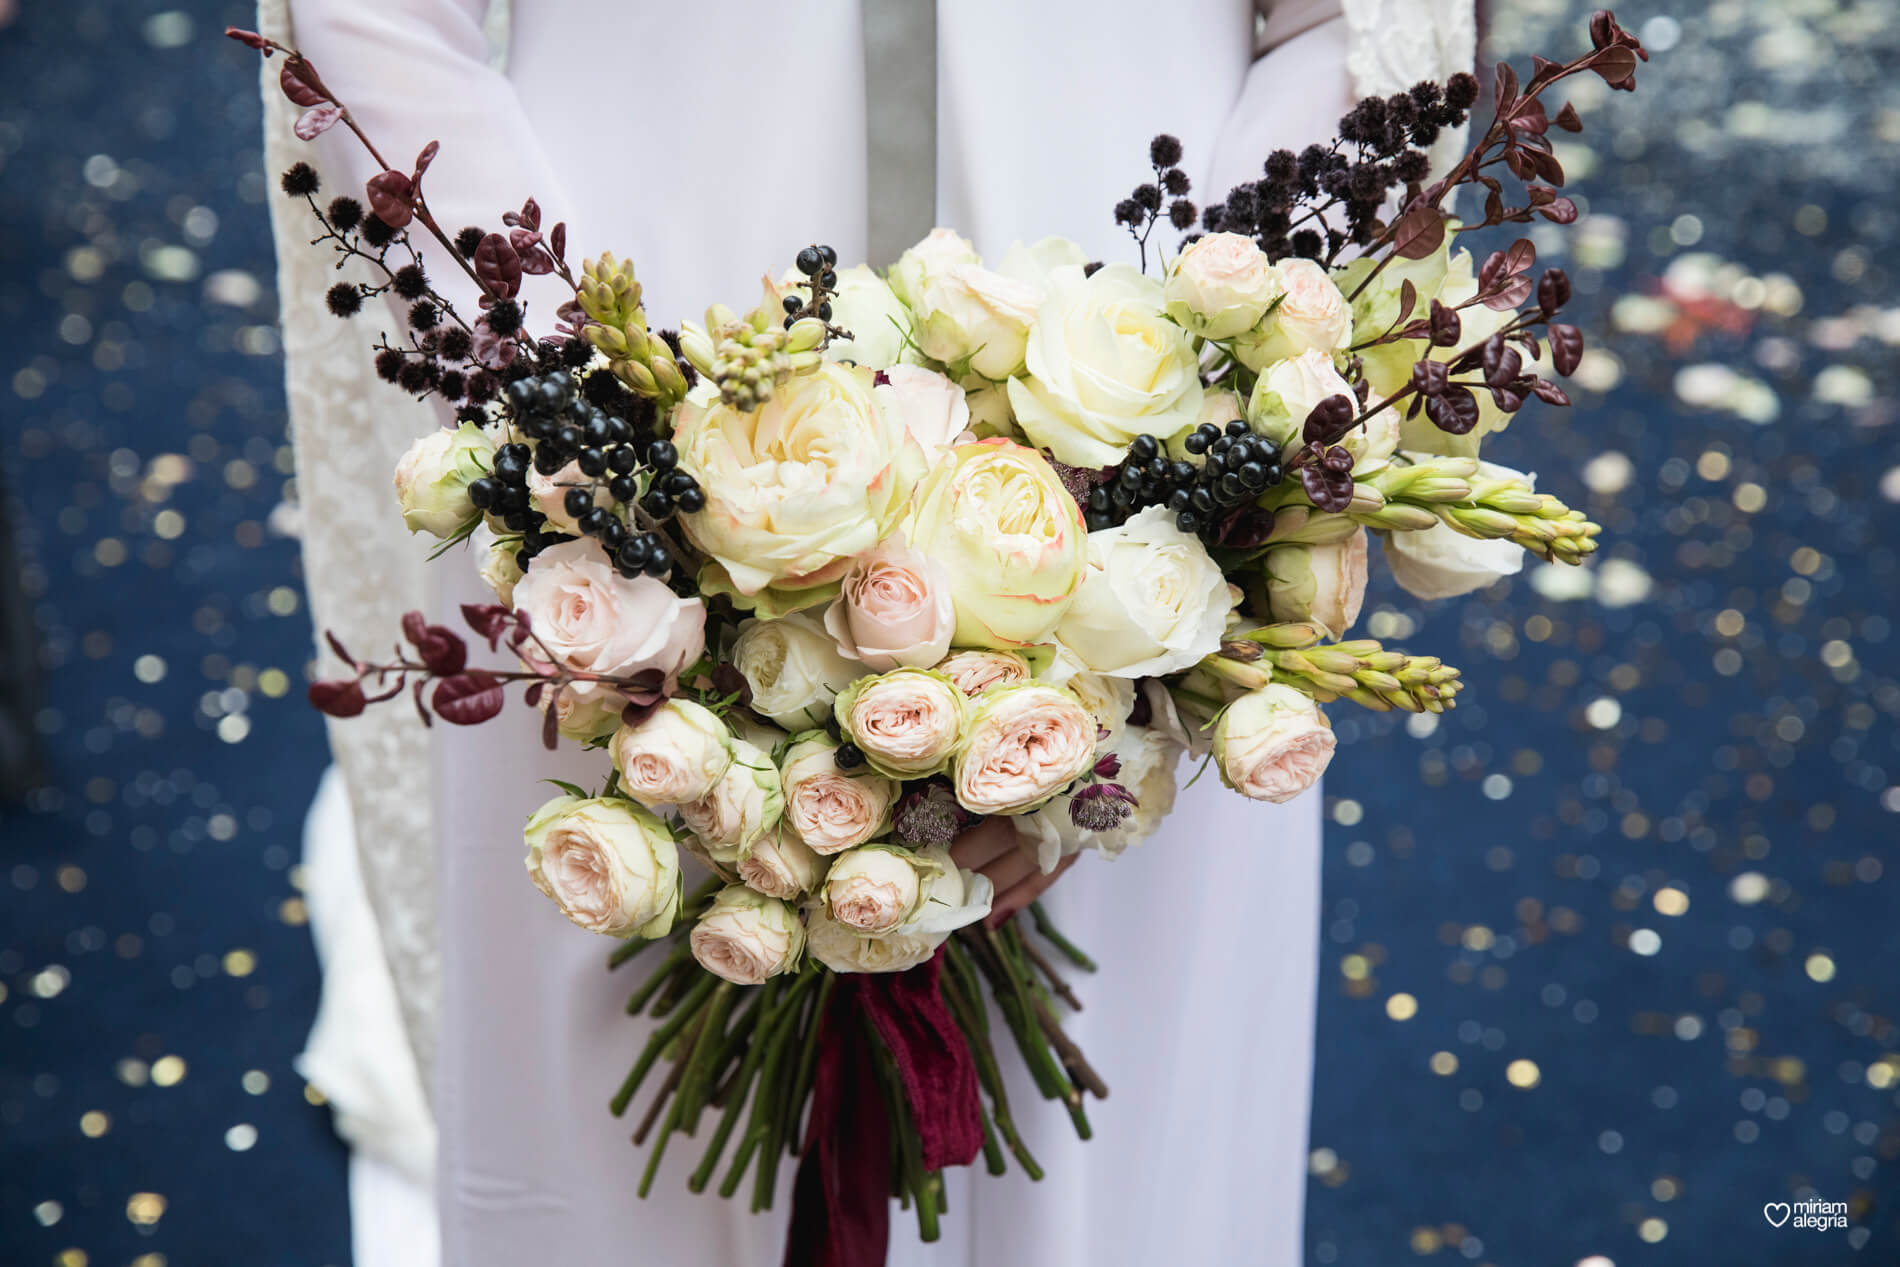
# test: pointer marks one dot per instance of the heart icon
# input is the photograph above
(1776, 1212)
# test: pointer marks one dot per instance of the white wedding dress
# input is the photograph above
(709, 141)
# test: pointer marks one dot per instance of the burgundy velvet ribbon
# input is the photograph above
(841, 1199)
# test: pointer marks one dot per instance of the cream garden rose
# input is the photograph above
(1441, 563)
(1104, 365)
(1152, 601)
(893, 609)
(795, 489)
(1273, 743)
(832, 809)
(747, 938)
(608, 864)
(1009, 537)
(1023, 744)
(907, 722)
(793, 669)
(875, 888)
(1311, 316)
(433, 476)
(1108, 699)
(593, 620)
(677, 753)
(963, 315)
(974, 672)
(1221, 285)
(1325, 584)
(951, 900)
(584, 718)
(1290, 390)
(741, 807)
(781, 865)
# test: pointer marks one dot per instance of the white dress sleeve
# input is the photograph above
(410, 71)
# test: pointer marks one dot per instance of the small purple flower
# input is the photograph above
(928, 816)
(1101, 807)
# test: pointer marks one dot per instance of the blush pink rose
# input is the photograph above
(1024, 744)
(933, 409)
(832, 809)
(974, 672)
(549, 495)
(894, 610)
(591, 619)
(906, 721)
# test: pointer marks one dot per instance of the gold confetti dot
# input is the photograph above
(273, 683)
(1401, 1007)
(291, 911)
(1670, 901)
(1425, 1240)
(110, 552)
(72, 879)
(1820, 966)
(239, 963)
(93, 1124)
(145, 1208)
(283, 601)
(1748, 498)
(168, 1071)
(133, 1073)
(256, 1081)
(1523, 1074)
(1478, 937)
(168, 524)
(149, 1260)
(1652, 1230)
(1665, 1189)
(1444, 1064)
(72, 1258)
(314, 1096)
(1355, 967)
(1712, 465)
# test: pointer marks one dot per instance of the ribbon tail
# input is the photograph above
(841, 1198)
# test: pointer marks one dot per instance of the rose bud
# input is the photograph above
(742, 806)
(1221, 286)
(678, 753)
(876, 888)
(894, 610)
(974, 672)
(906, 721)
(607, 863)
(1272, 743)
(781, 865)
(746, 937)
(432, 479)
(832, 809)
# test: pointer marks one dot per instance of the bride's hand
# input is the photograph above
(992, 848)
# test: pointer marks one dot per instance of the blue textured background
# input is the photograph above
(1649, 856)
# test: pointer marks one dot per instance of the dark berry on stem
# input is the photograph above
(300, 180)
(621, 459)
(594, 521)
(659, 562)
(810, 262)
(692, 501)
(410, 282)
(592, 462)
(578, 502)
(467, 240)
(848, 756)
(344, 299)
(388, 364)
(657, 503)
(662, 456)
(345, 213)
(1144, 449)
(829, 256)
(623, 488)
(377, 232)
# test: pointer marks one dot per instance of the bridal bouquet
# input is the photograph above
(835, 578)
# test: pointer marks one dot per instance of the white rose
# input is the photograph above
(833, 809)
(964, 315)
(593, 620)
(864, 304)
(1105, 365)
(875, 888)
(747, 938)
(432, 479)
(781, 865)
(1273, 743)
(1325, 584)
(1152, 602)
(677, 753)
(1290, 390)
(1109, 699)
(933, 409)
(1221, 285)
(496, 563)
(608, 864)
(793, 669)
(1312, 315)
(742, 806)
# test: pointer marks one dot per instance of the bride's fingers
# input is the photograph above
(1010, 870)
(984, 843)
(1026, 890)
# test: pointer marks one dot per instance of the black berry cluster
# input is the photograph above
(1141, 210)
(1237, 467)
(564, 425)
(1381, 146)
(820, 265)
